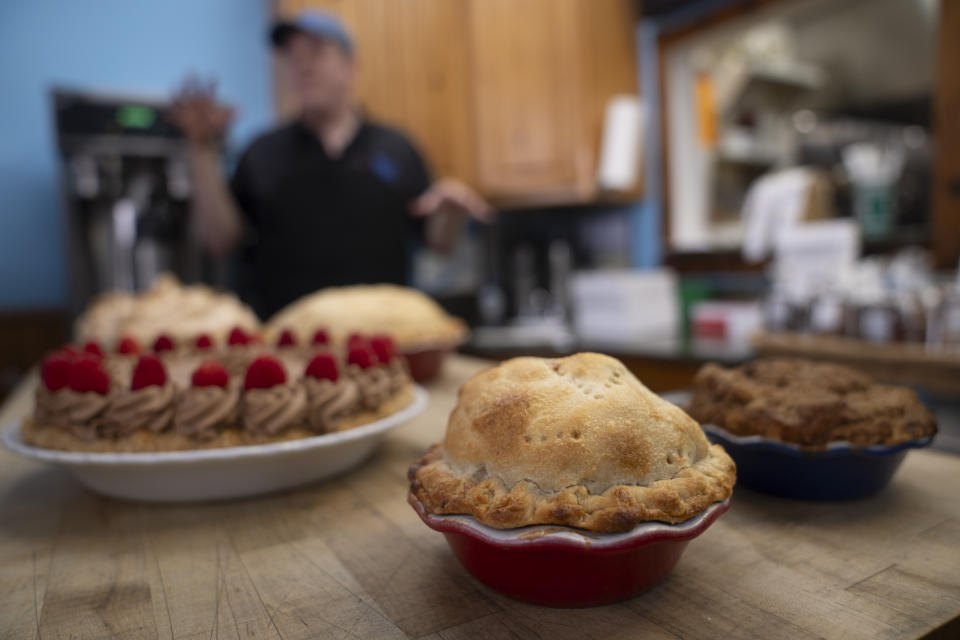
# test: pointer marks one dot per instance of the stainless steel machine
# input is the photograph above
(126, 193)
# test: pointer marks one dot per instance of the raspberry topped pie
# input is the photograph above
(199, 396)
(575, 441)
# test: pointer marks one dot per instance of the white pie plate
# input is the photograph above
(215, 474)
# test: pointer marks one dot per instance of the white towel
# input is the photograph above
(774, 204)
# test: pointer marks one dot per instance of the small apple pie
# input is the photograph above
(575, 441)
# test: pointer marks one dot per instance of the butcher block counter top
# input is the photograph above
(349, 558)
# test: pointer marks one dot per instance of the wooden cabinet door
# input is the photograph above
(435, 69)
(543, 71)
(412, 72)
(507, 95)
(525, 70)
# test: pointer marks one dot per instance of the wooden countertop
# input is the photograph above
(349, 558)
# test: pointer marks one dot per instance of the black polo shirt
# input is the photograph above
(316, 221)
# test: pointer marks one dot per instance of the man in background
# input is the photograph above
(327, 199)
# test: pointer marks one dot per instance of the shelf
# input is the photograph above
(777, 85)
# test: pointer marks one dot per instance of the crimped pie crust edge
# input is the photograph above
(442, 490)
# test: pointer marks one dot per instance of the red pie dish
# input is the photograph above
(425, 363)
(566, 567)
(566, 482)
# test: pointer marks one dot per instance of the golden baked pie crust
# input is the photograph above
(575, 441)
(410, 317)
(168, 307)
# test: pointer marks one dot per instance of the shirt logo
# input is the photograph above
(384, 168)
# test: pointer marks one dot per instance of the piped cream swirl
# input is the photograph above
(328, 401)
(375, 384)
(270, 411)
(148, 408)
(203, 411)
(80, 413)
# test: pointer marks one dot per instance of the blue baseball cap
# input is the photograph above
(319, 24)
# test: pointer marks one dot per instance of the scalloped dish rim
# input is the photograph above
(560, 536)
(837, 447)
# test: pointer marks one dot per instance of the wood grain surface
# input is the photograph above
(348, 558)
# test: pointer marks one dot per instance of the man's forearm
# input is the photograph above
(215, 211)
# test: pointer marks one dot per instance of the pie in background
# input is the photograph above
(808, 403)
(411, 318)
(168, 307)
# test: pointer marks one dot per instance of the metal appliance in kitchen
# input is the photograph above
(126, 191)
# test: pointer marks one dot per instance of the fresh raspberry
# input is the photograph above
(88, 375)
(128, 346)
(210, 374)
(149, 371)
(93, 348)
(203, 341)
(163, 343)
(356, 339)
(263, 373)
(384, 347)
(323, 367)
(286, 339)
(362, 356)
(238, 337)
(320, 337)
(55, 370)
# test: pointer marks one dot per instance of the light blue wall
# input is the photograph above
(118, 45)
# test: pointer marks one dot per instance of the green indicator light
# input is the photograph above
(135, 116)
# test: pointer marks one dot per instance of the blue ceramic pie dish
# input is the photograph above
(842, 471)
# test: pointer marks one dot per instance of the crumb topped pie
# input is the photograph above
(575, 441)
(808, 403)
